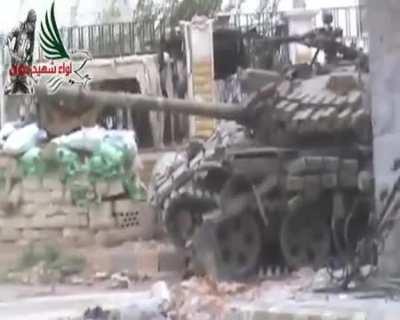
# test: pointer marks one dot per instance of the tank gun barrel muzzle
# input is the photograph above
(78, 100)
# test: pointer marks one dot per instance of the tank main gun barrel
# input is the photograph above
(77, 101)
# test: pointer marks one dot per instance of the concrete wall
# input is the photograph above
(34, 210)
(384, 32)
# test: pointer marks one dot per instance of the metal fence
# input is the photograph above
(353, 22)
(114, 39)
(126, 38)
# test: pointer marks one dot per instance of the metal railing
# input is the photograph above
(127, 38)
(353, 22)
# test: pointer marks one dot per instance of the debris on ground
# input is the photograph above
(101, 276)
(152, 307)
(46, 264)
(203, 298)
(120, 281)
(97, 313)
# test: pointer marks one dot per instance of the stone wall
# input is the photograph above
(34, 209)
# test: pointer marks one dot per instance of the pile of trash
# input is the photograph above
(81, 158)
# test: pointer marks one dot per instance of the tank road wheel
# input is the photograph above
(183, 214)
(239, 242)
(305, 237)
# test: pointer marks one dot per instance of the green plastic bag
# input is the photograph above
(107, 162)
(32, 164)
(134, 188)
(70, 164)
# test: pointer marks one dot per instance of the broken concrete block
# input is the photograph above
(31, 183)
(78, 237)
(109, 238)
(60, 216)
(137, 217)
(9, 234)
(17, 222)
(40, 234)
(147, 261)
(52, 182)
(39, 196)
(101, 216)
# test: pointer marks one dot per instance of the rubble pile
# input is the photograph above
(82, 187)
(203, 298)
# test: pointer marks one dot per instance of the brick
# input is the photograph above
(38, 235)
(29, 209)
(15, 195)
(13, 170)
(17, 222)
(102, 188)
(146, 261)
(108, 238)
(137, 217)
(115, 188)
(52, 182)
(101, 216)
(39, 196)
(8, 234)
(78, 237)
(60, 216)
(31, 183)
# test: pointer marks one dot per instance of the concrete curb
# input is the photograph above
(293, 313)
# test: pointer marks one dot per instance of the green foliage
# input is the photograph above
(28, 258)
(52, 257)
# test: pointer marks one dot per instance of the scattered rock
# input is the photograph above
(76, 280)
(120, 281)
(101, 276)
(96, 313)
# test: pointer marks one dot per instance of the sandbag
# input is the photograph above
(86, 139)
(32, 164)
(21, 140)
(70, 163)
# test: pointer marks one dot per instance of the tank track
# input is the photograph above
(191, 200)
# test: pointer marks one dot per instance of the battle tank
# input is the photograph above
(286, 182)
(291, 184)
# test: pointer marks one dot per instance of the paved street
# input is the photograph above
(49, 308)
(309, 306)
(70, 303)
